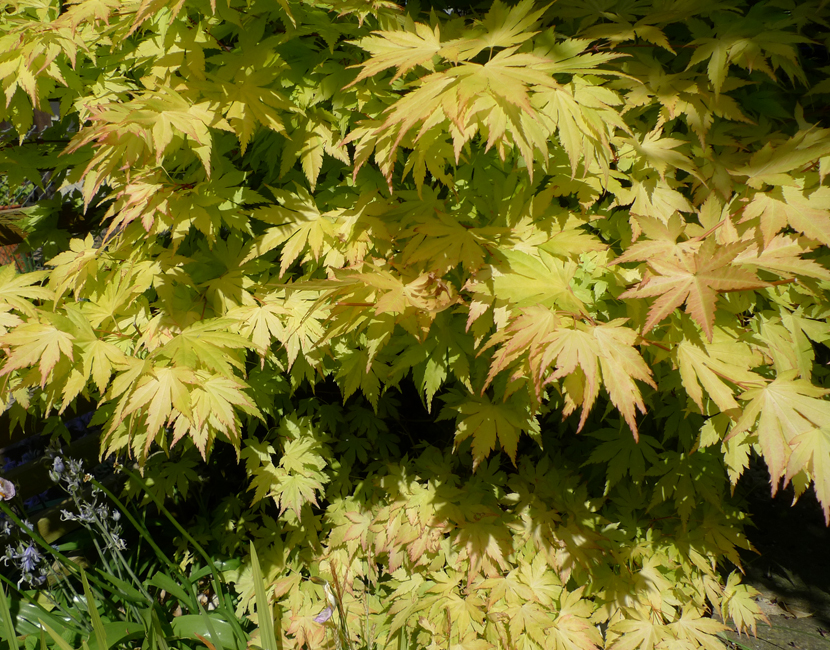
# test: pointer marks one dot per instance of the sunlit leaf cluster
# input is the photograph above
(493, 304)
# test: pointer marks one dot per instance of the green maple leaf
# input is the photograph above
(739, 604)
(783, 255)
(693, 627)
(543, 584)
(358, 371)
(711, 365)
(487, 423)
(531, 619)
(622, 455)
(404, 49)
(206, 343)
(807, 212)
(661, 153)
(508, 588)
(215, 400)
(773, 164)
(545, 280)
(293, 491)
(445, 243)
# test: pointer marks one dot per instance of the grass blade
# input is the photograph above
(7, 629)
(97, 626)
(62, 644)
(263, 607)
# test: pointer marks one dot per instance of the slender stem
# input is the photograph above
(48, 548)
(217, 577)
(40, 607)
(142, 530)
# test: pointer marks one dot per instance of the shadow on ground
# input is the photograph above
(791, 569)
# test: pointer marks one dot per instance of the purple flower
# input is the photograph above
(29, 558)
(323, 616)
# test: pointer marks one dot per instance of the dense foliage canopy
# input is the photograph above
(397, 258)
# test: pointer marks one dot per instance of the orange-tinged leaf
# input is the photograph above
(694, 280)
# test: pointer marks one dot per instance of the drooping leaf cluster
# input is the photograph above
(611, 213)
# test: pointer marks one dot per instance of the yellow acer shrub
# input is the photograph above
(493, 302)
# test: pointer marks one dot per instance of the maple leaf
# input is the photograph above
(694, 280)
(261, 323)
(414, 45)
(446, 243)
(8, 320)
(784, 410)
(812, 453)
(624, 455)
(503, 26)
(637, 632)
(358, 371)
(711, 365)
(806, 212)
(126, 134)
(531, 619)
(542, 583)
(487, 422)
(661, 153)
(691, 626)
(161, 394)
(298, 223)
(772, 165)
(544, 280)
(206, 343)
(17, 290)
(783, 255)
(36, 344)
(485, 539)
(739, 604)
(315, 135)
(583, 355)
(214, 402)
(573, 626)
(246, 100)
(790, 338)
(298, 476)
(75, 266)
